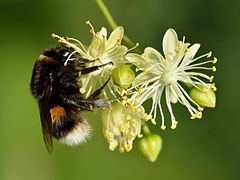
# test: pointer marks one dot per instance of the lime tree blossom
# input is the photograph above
(101, 51)
(162, 77)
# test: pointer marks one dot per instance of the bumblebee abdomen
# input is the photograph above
(68, 126)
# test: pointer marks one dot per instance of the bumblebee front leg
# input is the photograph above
(93, 68)
(97, 93)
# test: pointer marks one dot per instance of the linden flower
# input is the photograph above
(121, 124)
(101, 51)
(168, 73)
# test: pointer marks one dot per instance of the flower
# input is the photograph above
(101, 51)
(121, 124)
(168, 73)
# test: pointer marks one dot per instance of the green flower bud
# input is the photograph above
(123, 76)
(204, 96)
(151, 146)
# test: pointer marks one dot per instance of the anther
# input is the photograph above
(193, 116)
(214, 69)
(153, 121)
(53, 35)
(163, 127)
(209, 54)
(213, 87)
(214, 60)
(211, 79)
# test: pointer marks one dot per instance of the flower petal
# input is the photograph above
(141, 78)
(102, 33)
(137, 60)
(170, 42)
(191, 52)
(115, 37)
(152, 54)
(114, 55)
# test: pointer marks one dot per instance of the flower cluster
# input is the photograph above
(176, 76)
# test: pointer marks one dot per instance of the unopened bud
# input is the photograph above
(204, 96)
(151, 146)
(123, 76)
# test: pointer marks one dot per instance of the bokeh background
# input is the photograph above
(204, 149)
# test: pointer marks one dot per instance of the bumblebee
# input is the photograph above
(54, 84)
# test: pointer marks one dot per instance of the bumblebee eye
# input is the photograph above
(70, 58)
(66, 53)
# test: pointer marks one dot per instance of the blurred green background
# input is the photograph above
(204, 149)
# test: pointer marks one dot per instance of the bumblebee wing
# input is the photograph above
(46, 124)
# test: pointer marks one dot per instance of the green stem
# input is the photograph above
(106, 13)
(113, 23)
(145, 128)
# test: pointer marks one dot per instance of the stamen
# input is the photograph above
(65, 63)
(91, 27)
(134, 47)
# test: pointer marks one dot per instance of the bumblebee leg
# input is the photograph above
(84, 60)
(93, 68)
(97, 93)
(86, 104)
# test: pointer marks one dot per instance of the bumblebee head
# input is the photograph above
(67, 56)
(63, 55)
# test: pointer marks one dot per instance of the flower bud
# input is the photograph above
(151, 146)
(204, 96)
(123, 76)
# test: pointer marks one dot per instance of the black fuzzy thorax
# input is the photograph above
(52, 82)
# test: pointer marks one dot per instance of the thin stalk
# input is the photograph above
(145, 129)
(114, 25)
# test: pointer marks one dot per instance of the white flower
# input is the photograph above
(168, 73)
(121, 125)
(102, 50)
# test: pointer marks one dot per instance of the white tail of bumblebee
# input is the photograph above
(77, 135)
